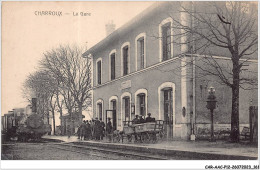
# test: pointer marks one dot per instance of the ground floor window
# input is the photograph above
(127, 108)
(99, 111)
(142, 107)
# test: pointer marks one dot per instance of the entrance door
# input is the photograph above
(168, 115)
(127, 108)
(114, 114)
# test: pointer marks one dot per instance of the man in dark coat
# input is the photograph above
(88, 131)
(82, 130)
(68, 131)
(92, 124)
(149, 119)
(109, 129)
(136, 120)
(97, 129)
(142, 119)
(102, 129)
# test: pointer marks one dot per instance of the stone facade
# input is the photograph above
(171, 85)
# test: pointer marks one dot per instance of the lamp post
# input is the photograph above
(211, 105)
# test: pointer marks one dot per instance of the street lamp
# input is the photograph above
(211, 105)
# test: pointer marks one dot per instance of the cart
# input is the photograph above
(143, 132)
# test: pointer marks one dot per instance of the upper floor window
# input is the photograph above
(99, 70)
(140, 51)
(125, 59)
(166, 45)
(166, 41)
(112, 69)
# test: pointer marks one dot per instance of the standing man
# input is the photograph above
(68, 131)
(102, 128)
(97, 129)
(88, 131)
(82, 129)
(109, 129)
(78, 131)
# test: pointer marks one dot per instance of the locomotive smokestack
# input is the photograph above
(110, 27)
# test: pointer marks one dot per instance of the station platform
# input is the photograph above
(201, 149)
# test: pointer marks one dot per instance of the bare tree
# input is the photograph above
(73, 74)
(53, 105)
(230, 27)
(41, 85)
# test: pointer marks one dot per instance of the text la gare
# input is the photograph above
(81, 14)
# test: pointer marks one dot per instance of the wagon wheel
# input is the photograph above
(161, 135)
(129, 137)
(145, 137)
(116, 138)
(154, 138)
(122, 137)
(138, 138)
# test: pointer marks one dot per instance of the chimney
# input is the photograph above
(110, 27)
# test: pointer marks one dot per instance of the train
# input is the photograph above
(24, 127)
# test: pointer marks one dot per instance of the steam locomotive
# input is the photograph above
(24, 126)
(33, 128)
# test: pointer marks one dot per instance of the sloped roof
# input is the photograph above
(128, 26)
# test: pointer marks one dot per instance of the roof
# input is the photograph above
(128, 26)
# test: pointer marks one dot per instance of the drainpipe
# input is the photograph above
(192, 137)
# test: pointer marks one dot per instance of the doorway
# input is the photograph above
(112, 115)
(114, 118)
(127, 108)
(168, 114)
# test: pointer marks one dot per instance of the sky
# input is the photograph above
(26, 35)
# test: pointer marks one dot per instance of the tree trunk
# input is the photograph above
(53, 120)
(234, 136)
(80, 112)
(71, 118)
(61, 124)
(48, 117)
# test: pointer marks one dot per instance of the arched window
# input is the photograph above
(112, 65)
(116, 117)
(125, 59)
(166, 39)
(140, 51)
(141, 102)
(126, 106)
(99, 71)
(99, 109)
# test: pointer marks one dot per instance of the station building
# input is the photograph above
(137, 70)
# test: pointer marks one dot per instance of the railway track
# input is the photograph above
(80, 152)
(106, 153)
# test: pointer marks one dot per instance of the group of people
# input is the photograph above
(139, 119)
(94, 129)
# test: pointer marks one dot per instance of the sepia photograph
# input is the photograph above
(129, 80)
